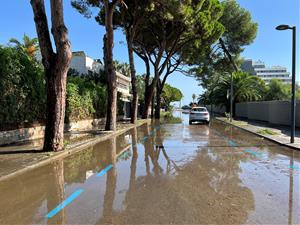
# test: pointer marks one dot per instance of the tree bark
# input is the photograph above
(133, 78)
(56, 67)
(158, 100)
(149, 93)
(152, 107)
(111, 112)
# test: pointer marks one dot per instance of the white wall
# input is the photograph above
(89, 63)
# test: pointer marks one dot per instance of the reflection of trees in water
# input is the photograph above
(22, 196)
(111, 181)
(203, 191)
(92, 159)
(56, 193)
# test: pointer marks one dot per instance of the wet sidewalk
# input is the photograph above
(20, 157)
(276, 133)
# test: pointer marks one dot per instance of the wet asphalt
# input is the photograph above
(162, 174)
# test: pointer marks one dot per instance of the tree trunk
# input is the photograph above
(158, 102)
(149, 93)
(111, 112)
(152, 107)
(56, 102)
(56, 67)
(147, 99)
(133, 79)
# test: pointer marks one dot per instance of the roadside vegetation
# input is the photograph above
(267, 132)
(168, 117)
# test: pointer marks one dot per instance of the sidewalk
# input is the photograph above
(20, 157)
(275, 133)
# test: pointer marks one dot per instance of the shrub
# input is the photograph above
(22, 89)
(85, 99)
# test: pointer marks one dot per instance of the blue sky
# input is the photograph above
(271, 46)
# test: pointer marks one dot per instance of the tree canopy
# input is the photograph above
(170, 94)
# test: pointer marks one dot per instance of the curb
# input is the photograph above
(75, 148)
(260, 135)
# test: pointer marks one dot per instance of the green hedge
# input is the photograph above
(22, 89)
(23, 92)
(85, 99)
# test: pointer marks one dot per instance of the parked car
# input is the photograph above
(186, 107)
(199, 114)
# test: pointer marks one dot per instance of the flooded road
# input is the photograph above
(162, 174)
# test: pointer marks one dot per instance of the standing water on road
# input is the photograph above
(162, 174)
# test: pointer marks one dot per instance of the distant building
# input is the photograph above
(84, 64)
(258, 68)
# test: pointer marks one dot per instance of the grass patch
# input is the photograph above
(236, 122)
(240, 123)
(167, 117)
(66, 143)
(267, 132)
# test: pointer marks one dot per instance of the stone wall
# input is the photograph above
(27, 134)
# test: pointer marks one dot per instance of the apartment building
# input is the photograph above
(258, 68)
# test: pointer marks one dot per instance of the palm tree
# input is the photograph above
(122, 68)
(246, 87)
(193, 97)
(30, 46)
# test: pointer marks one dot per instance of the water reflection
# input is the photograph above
(57, 193)
(111, 180)
(180, 199)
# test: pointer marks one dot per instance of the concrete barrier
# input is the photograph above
(273, 112)
(216, 109)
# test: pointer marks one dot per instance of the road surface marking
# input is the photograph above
(295, 168)
(252, 152)
(102, 172)
(232, 143)
(66, 202)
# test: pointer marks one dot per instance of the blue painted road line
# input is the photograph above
(145, 138)
(102, 172)
(66, 202)
(232, 143)
(295, 168)
(252, 152)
